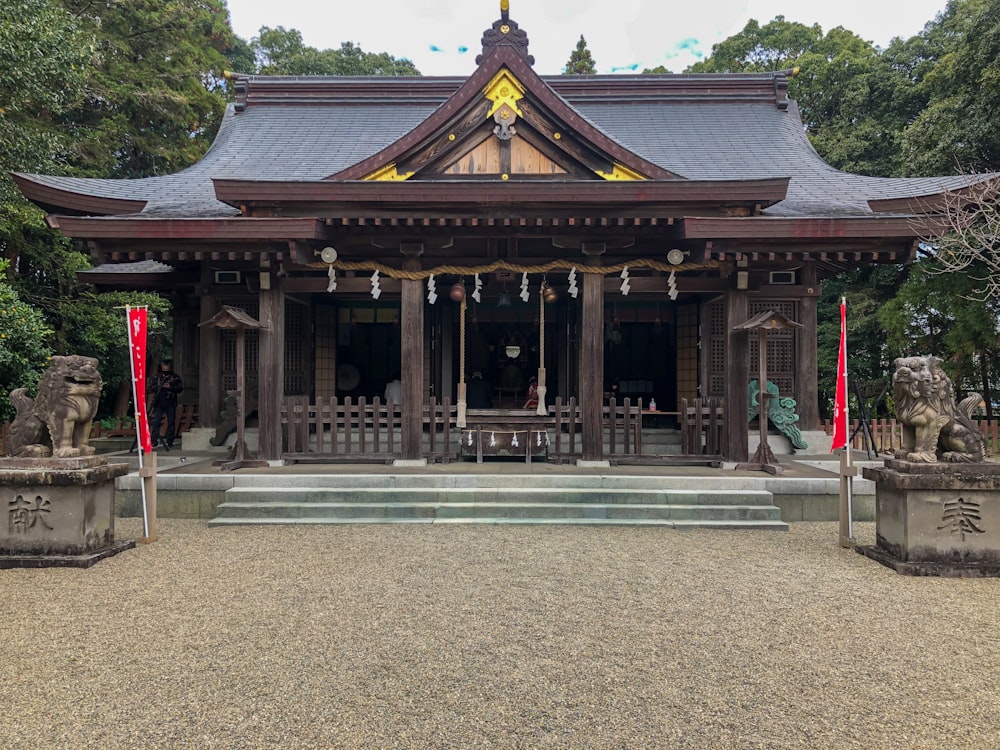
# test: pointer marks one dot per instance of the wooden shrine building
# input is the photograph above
(655, 212)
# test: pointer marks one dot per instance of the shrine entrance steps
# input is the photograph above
(678, 502)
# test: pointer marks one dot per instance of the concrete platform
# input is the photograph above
(188, 486)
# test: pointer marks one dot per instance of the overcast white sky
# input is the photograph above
(442, 37)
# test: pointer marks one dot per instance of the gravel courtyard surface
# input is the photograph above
(495, 636)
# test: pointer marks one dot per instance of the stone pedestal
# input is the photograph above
(58, 511)
(937, 519)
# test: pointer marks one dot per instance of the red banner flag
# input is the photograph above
(840, 418)
(137, 348)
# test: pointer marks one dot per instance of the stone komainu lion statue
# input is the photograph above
(57, 423)
(934, 427)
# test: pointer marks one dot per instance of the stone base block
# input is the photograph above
(65, 561)
(818, 443)
(58, 507)
(943, 570)
(937, 519)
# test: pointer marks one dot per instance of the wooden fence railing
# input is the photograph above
(348, 430)
(621, 424)
(702, 425)
(360, 430)
(888, 435)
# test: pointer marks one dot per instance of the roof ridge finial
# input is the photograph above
(505, 33)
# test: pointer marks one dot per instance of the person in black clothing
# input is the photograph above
(478, 393)
(165, 388)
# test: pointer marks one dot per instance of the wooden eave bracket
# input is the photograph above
(279, 229)
(68, 202)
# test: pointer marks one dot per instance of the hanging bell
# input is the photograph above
(549, 294)
(457, 292)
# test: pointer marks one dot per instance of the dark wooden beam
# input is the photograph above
(201, 230)
(591, 367)
(831, 229)
(412, 356)
(806, 358)
(271, 370)
(737, 375)
(209, 356)
(525, 198)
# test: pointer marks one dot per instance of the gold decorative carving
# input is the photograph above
(504, 119)
(388, 173)
(620, 172)
(504, 89)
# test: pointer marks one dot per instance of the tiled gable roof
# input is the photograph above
(689, 125)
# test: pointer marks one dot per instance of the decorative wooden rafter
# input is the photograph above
(536, 134)
(388, 173)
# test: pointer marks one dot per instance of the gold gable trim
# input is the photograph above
(504, 89)
(621, 172)
(387, 173)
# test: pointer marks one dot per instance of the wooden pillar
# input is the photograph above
(271, 368)
(209, 359)
(737, 373)
(592, 356)
(412, 354)
(806, 363)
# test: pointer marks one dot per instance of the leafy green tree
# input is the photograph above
(281, 51)
(580, 62)
(936, 313)
(155, 92)
(96, 328)
(845, 92)
(108, 89)
(961, 82)
(761, 49)
(867, 290)
(43, 59)
(24, 349)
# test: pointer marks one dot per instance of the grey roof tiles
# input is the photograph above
(702, 136)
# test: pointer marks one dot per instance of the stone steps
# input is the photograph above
(478, 499)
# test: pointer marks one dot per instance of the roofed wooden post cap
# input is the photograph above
(505, 33)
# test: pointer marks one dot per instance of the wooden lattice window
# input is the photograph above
(326, 351)
(252, 344)
(780, 347)
(687, 352)
(295, 349)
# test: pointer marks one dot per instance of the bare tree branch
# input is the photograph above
(965, 234)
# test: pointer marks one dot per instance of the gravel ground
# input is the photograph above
(499, 637)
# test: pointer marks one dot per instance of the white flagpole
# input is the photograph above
(135, 413)
(847, 469)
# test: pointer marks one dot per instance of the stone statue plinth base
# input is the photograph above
(59, 511)
(938, 519)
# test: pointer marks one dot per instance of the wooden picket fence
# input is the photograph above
(888, 435)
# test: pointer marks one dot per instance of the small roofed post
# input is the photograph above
(233, 318)
(763, 459)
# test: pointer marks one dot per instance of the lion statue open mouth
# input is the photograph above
(934, 427)
(57, 423)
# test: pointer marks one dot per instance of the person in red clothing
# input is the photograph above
(532, 398)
